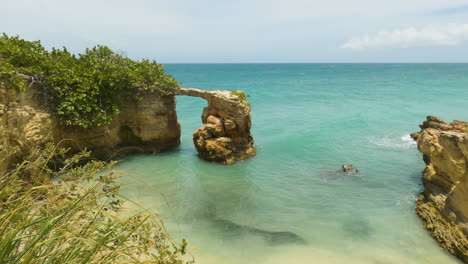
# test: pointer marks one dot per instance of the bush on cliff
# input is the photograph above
(82, 89)
(77, 219)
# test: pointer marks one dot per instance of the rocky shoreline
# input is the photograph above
(443, 205)
(146, 125)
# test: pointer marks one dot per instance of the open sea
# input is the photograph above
(289, 204)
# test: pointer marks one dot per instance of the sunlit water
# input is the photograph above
(308, 119)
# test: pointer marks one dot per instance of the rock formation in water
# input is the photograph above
(147, 125)
(225, 135)
(349, 168)
(443, 206)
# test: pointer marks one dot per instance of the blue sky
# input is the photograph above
(206, 31)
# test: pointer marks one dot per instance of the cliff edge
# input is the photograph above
(147, 125)
(443, 205)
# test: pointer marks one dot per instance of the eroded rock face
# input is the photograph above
(147, 125)
(443, 206)
(225, 135)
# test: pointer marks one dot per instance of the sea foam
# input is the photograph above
(405, 142)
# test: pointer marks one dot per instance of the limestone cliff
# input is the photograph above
(443, 206)
(147, 125)
(225, 135)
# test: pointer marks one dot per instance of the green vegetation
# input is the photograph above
(79, 219)
(82, 89)
(61, 208)
(242, 96)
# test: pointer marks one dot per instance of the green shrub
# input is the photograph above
(76, 220)
(82, 89)
(242, 96)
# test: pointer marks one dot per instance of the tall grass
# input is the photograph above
(77, 219)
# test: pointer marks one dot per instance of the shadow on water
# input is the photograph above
(231, 195)
(273, 238)
(358, 229)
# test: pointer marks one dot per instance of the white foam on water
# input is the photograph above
(408, 199)
(405, 142)
(408, 139)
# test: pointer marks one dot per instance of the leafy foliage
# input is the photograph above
(242, 96)
(76, 220)
(82, 89)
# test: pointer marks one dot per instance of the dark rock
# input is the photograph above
(349, 168)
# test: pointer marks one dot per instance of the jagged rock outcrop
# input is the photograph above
(225, 135)
(147, 125)
(443, 206)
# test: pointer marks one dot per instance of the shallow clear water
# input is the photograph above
(308, 119)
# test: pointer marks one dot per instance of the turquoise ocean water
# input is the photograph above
(308, 119)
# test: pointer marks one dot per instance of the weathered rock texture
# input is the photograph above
(443, 206)
(147, 125)
(225, 135)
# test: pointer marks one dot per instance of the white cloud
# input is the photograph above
(431, 35)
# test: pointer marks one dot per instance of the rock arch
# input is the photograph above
(147, 125)
(225, 135)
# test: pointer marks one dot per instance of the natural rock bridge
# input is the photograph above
(145, 125)
(225, 135)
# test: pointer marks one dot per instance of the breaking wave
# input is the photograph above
(404, 142)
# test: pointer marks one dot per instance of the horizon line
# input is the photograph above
(313, 62)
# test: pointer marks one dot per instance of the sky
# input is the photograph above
(249, 31)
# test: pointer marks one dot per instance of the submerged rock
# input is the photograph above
(443, 205)
(349, 168)
(346, 170)
(225, 135)
(358, 228)
(273, 238)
